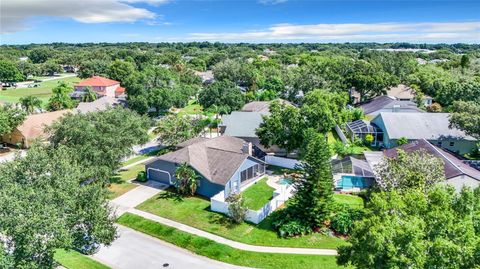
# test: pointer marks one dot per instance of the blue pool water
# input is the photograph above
(350, 182)
(285, 181)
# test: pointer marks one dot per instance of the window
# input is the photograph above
(439, 143)
(452, 143)
(243, 175)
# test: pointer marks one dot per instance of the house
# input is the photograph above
(403, 92)
(457, 172)
(223, 163)
(100, 85)
(388, 104)
(206, 76)
(100, 104)
(433, 127)
(244, 123)
(32, 128)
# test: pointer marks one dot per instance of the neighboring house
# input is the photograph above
(244, 123)
(100, 85)
(388, 104)
(100, 104)
(433, 127)
(457, 172)
(206, 76)
(223, 163)
(32, 128)
(403, 92)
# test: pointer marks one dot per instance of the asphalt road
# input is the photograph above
(137, 250)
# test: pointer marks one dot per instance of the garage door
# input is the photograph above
(159, 175)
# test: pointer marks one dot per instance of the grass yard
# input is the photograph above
(193, 108)
(277, 170)
(119, 182)
(195, 211)
(75, 260)
(257, 195)
(353, 201)
(43, 92)
(220, 252)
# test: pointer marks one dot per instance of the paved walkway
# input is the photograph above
(134, 249)
(229, 242)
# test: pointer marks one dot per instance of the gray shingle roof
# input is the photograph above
(257, 106)
(420, 126)
(242, 124)
(453, 166)
(97, 105)
(215, 159)
(387, 102)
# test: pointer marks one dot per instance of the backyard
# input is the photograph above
(43, 92)
(257, 195)
(195, 211)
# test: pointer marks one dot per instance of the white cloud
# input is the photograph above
(16, 13)
(355, 32)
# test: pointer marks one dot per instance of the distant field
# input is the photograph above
(43, 92)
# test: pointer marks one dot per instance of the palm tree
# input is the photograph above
(29, 103)
(186, 183)
(89, 95)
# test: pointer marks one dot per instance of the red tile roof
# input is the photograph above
(119, 91)
(97, 81)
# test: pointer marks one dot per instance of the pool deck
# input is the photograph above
(272, 180)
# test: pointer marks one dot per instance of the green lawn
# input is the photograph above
(224, 253)
(353, 201)
(75, 260)
(257, 195)
(193, 108)
(277, 170)
(195, 212)
(119, 182)
(43, 92)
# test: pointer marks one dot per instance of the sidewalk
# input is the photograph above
(229, 242)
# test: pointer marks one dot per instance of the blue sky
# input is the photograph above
(45, 21)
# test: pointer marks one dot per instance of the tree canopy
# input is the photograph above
(10, 117)
(44, 206)
(100, 139)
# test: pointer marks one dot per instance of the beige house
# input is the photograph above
(405, 93)
(32, 128)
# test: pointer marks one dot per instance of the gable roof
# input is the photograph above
(101, 103)
(216, 159)
(453, 166)
(242, 124)
(34, 125)
(257, 106)
(97, 81)
(419, 125)
(387, 102)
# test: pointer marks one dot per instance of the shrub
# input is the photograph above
(369, 139)
(342, 222)
(402, 141)
(142, 176)
(287, 225)
(236, 207)
(435, 107)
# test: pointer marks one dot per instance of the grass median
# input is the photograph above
(224, 253)
(72, 259)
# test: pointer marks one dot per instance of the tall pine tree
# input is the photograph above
(314, 196)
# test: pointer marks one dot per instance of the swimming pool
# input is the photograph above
(285, 181)
(350, 182)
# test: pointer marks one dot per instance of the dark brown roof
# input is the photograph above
(387, 102)
(215, 159)
(453, 166)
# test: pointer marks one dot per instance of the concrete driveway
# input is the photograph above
(137, 250)
(136, 196)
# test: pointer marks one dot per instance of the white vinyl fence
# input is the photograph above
(218, 204)
(282, 162)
